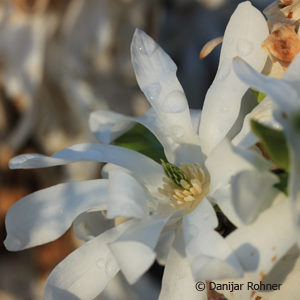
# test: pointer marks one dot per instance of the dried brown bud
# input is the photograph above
(283, 44)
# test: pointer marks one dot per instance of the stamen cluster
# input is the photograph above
(185, 186)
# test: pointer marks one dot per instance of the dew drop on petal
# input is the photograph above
(110, 267)
(174, 102)
(100, 263)
(244, 47)
(170, 140)
(224, 109)
(152, 91)
(223, 72)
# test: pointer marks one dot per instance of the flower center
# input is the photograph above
(185, 186)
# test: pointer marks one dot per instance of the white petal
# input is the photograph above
(271, 235)
(45, 215)
(226, 160)
(281, 91)
(156, 75)
(108, 125)
(188, 153)
(143, 167)
(244, 34)
(126, 196)
(252, 192)
(134, 250)
(178, 282)
(196, 118)
(261, 245)
(282, 273)
(283, 278)
(223, 198)
(164, 245)
(85, 272)
(262, 113)
(90, 224)
(209, 254)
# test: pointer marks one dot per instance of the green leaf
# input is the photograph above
(140, 139)
(296, 121)
(258, 95)
(282, 185)
(273, 142)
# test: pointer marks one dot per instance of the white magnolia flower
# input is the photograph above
(169, 217)
(278, 227)
(285, 93)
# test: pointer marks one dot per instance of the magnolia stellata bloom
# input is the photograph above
(285, 93)
(272, 238)
(167, 209)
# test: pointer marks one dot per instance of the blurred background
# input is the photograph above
(60, 60)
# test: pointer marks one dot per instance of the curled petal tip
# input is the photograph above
(12, 244)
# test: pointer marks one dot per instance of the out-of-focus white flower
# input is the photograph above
(167, 216)
(22, 40)
(285, 93)
(266, 250)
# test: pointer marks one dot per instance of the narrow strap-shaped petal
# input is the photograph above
(178, 282)
(134, 250)
(86, 271)
(208, 252)
(45, 215)
(244, 34)
(143, 167)
(109, 125)
(156, 75)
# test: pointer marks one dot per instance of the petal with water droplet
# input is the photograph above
(86, 271)
(44, 216)
(244, 34)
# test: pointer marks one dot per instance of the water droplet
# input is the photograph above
(174, 102)
(224, 109)
(244, 47)
(100, 263)
(110, 266)
(223, 71)
(170, 140)
(152, 91)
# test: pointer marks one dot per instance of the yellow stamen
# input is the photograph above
(191, 191)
